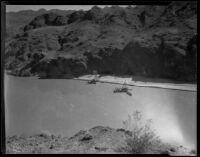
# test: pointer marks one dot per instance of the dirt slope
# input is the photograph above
(97, 140)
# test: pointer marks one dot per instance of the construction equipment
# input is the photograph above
(93, 81)
(124, 89)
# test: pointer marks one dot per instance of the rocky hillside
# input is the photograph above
(150, 41)
(97, 140)
(15, 21)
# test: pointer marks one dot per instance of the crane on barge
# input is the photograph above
(124, 89)
(95, 79)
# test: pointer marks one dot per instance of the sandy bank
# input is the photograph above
(130, 82)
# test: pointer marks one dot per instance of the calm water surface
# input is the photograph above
(64, 107)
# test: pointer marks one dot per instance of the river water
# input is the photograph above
(64, 107)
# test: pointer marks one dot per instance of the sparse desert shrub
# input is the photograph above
(193, 151)
(172, 149)
(165, 152)
(142, 138)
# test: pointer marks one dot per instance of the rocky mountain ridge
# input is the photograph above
(15, 21)
(149, 40)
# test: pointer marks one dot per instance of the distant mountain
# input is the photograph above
(150, 41)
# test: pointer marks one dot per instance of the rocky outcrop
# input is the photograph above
(76, 16)
(50, 19)
(16, 21)
(96, 14)
(151, 41)
(97, 140)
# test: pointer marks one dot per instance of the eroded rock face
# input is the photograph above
(76, 16)
(95, 14)
(50, 19)
(16, 21)
(151, 41)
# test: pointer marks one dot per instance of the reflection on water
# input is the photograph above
(67, 106)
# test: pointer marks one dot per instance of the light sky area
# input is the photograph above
(15, 8)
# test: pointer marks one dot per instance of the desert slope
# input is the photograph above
(97, 140)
